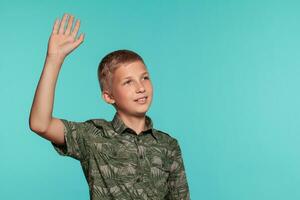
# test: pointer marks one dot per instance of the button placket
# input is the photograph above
(139, 177)
(140, 156)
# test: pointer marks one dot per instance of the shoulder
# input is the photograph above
(167, 143)
(98, 123)
(164, 137)
(86, 123)
(89, 125)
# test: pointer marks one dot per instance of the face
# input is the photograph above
(131, 90)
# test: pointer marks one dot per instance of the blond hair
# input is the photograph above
(111, 62)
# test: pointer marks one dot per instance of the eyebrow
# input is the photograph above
(128, 77)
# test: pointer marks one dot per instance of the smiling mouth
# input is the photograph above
(141, 100)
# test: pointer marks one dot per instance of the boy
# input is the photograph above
(125, 158)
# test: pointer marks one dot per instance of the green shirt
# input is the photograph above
(119, 164)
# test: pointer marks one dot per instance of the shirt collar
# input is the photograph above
(120, 126)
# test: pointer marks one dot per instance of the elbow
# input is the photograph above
(37, 127)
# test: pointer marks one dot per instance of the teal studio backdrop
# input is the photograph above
(226, 85)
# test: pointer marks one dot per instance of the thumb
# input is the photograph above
(79, 40)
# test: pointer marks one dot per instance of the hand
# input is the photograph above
(62, 42)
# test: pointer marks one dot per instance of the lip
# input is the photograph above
(141, 98)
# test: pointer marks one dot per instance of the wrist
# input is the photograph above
(54, 58)
(54, 62)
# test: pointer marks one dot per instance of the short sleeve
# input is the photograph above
(75, 134)
(177, 181)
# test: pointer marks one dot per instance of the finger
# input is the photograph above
(62, 24)
(79, 40)
(70, 23)
(55, 27)
(76, 28)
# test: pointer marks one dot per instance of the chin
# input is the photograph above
(141, 112)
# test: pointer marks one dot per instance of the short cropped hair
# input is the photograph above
(111, 62)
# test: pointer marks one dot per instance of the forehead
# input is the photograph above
(131, 69)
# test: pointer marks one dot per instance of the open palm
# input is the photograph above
(63, 41)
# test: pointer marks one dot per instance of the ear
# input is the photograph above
(107, 97)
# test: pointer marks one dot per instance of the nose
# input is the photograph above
(140, 87)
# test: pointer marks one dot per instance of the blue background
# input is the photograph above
(226, 85)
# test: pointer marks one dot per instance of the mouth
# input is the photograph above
(141, 100)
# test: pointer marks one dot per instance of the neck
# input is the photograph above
(136, 123)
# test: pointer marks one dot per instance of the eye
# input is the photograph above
(146, 77)
(127, 82)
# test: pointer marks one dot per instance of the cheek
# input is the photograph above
(122, 93)
(149, 87)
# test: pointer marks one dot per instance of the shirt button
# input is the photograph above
(138, 179)
(141, 156)
(138, 139)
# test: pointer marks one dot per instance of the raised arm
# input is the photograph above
(61, 42)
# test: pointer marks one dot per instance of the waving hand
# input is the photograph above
(64, 40)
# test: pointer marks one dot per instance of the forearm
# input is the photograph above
(42, 106)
